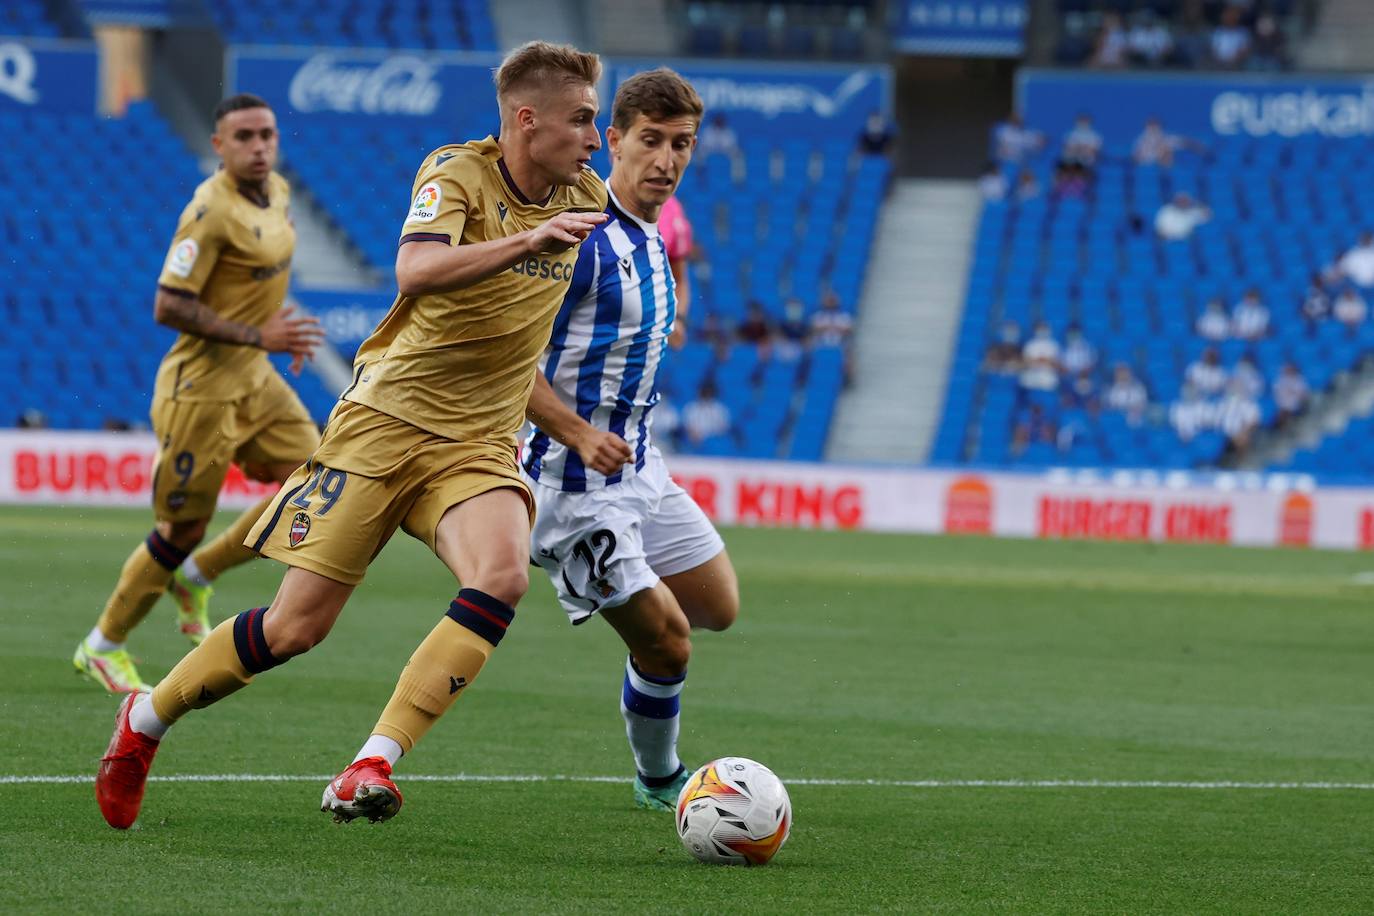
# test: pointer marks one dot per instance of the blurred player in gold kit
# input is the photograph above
(425, 437)
(217, 399)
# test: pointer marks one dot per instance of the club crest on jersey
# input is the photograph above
(300, 527)
(183, 258)
(426, 205)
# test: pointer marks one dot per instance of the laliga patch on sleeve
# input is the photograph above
(426, 205)
(183, 258)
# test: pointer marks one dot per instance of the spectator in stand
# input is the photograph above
(1082, 144)
(1190, 414)
(756, 329)
(32, 418)
(1316, 303)
(1079, 355)
(1149, 42)
(1237, 415)
(1248, 377)
(1357, 264)
(705, 417)
(1250, 317)
(1156, 146)
(831, 326)
(1206, 374)
(1110, 51)
(1040, 360)
(1033, 426)
(1071, 181)
(1027, 186)
(712, 332)
(1350, 310)
(1013, 141)
(1177, 219)
(792, 332)
(1290, 394)
(992, 184)
(1213, 324)
(717, 138)
(877, 136)
(1003, 357)
(667, 425)
(1269, 48)
(1080, 392)
(1126, 395)
(1230, 41)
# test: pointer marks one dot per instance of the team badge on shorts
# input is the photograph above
(603, 587)
(176, 499)
(300, 527)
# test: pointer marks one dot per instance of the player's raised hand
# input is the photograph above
(603, 452)
(564, 231)
(299, 335)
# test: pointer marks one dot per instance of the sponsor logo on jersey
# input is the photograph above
(183, 258)
(267, 273)
(300, 527)
(502, 209)
(545, 269)
(426, 205)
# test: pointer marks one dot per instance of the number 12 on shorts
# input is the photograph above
(330, 486)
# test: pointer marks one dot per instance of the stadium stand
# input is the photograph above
(773, 222)
(1283, 212)
(27, 17)
(797, 30)
(1190, 34)
(430, 24)
(82, 254)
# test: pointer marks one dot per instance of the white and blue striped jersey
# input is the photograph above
(607, 343)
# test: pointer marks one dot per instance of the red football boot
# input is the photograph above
(362, 790)
(123, 773)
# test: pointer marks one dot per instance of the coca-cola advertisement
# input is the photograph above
(302, 82)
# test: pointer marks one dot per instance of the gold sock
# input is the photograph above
(227, 551)
(445, 663)
(141, 582)
(228, 659)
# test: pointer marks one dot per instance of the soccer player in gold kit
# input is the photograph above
(425, 437)
(217, 399)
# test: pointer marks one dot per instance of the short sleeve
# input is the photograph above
(195, 248)
(443, 192)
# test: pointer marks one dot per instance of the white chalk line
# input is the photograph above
(1216, 785)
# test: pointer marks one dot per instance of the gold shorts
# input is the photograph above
(197, 441)
(371, 475)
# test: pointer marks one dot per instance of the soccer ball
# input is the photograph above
(734, 811)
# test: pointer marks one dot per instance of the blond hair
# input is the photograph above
(660, 94)
(538, 64)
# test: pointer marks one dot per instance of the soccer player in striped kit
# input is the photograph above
(615, 534)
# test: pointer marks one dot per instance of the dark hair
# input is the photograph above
(240, 102)
(660, 94)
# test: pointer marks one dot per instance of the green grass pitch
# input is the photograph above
(857, 657)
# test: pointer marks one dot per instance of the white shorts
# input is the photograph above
(603, 546)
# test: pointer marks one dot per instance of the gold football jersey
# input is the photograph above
(234, 254)
(461, 364)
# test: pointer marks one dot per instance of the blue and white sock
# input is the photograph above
(650, 707)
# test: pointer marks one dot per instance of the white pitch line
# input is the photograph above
(879, 783)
